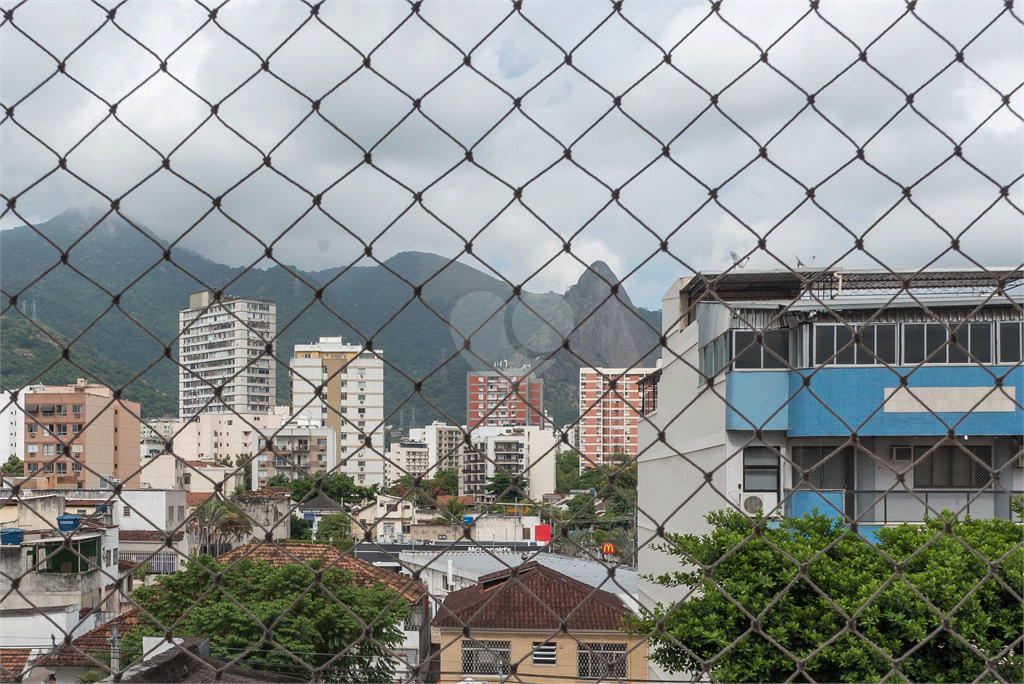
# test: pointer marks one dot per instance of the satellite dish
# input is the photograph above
(739, 263)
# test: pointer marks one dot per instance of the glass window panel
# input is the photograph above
(913, 343)
(777, 341)
(759, 456)
(885, 342)
(761, 480)
(750, 358)
(935, 351)
(981, 342)
(1009, 342)
(867, 346)
(844, 336)
(958, 345)
(824, 343)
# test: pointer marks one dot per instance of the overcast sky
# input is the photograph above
(321, 58)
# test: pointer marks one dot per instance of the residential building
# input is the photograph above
(226, 365)
(342, 386)
(213, 437)
(609, 410)
(390, 517)
(452, 570)
(501, 398)
(12, 423)
(444, 442)
(207, 478)
(270, 511)
(162, 470)
(299, 449)
(526, 450)
(60, 453)
(553, 627)
(766, 376)
(407, 458)
(155, 434)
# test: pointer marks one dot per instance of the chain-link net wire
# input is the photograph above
(694, 146)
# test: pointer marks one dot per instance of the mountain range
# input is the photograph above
(418, 308)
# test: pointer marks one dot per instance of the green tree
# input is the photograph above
(301, 529)
(760, 573)
(13, 468)
(446, 482)
(279, 480)
(334, 526)
(452, 509)
(503, 487)
(567, 471)
(297, 614)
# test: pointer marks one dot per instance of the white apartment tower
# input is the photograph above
(223, 345)
(343, 385)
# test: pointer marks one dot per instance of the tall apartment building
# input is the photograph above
(444, 442)
(12, 423)
(223, 346)
(342, 385)
(524, 450)
(79, 437)
(498, 398)
(608, 416)
(407, 458)
(299, 449)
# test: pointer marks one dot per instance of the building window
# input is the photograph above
(62, 430)
(602, 661)
(61, 468)
(952, 467)
(545, 653)
(127, 512)
(61, 410)
(32, 448)
(76, 408)
(760, 470)
(772, 353)
(486, 657)
(47, 450)
(1009, 342)
(32, 467)
(76, 428)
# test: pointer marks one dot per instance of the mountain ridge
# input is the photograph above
(417, 306)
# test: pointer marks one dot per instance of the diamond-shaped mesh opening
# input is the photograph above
(444, 342)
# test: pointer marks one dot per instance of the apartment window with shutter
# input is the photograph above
(602, 661)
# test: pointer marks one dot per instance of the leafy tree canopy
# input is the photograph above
(14, 467)
(951, 571)
(503, 488)
(313, 624)
(444, 483)
(301, 529)
(337, 486)
(334, 526)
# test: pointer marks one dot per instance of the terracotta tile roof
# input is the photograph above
(13, 661)
(197, 499)
(126, 566)
(266, 493)
(147, 536)
(94, 642)
(467, 499)
(499, 602)
(283, 553)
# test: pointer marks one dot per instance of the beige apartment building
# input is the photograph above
(342, 386)
(79, 437)
(444, 442)
(407, 458)
(609, 415)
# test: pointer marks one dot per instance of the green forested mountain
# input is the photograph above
(117, 296)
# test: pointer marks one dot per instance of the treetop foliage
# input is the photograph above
(881, 595)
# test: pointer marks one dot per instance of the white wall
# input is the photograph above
(149, 509)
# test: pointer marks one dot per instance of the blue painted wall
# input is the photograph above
(854, 394)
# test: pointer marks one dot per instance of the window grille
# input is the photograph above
(486, 657)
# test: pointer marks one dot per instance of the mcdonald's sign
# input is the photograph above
(608, 549)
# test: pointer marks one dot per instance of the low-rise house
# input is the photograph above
(515, 619)
(416, 644)
(90, 651)
(163, 551)
(13, 662)
(270, 511)
(314, 510)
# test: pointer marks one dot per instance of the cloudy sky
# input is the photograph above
(760, 104)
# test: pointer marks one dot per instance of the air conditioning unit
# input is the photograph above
(765, 502)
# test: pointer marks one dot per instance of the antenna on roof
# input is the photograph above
(800, 264)
(739, 263)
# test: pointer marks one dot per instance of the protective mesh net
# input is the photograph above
(711, 148)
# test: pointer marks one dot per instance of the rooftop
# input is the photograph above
(531, 597)
(12, 662)
(285, 553)
(623, 580)
(737, 285)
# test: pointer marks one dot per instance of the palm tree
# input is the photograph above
(235, 525)
(453, 508)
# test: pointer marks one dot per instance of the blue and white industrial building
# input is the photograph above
(896, 393)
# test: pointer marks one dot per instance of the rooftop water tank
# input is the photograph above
(68, 523)
(12, 536)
